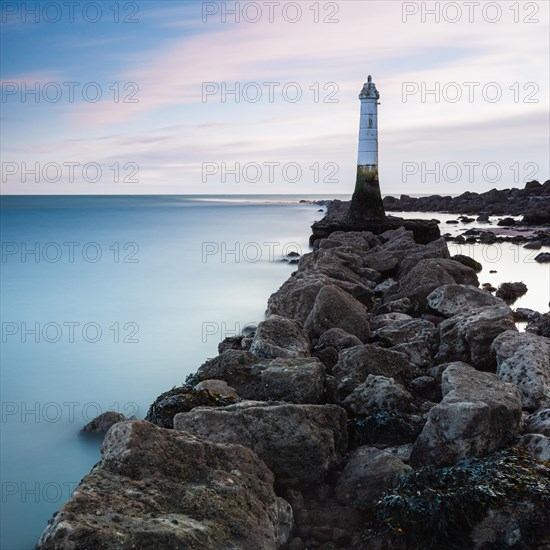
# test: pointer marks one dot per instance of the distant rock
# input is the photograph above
(478, 414)
(156, 488)
(510, 292)
(533, 245)
(468, 262)
(543, 257)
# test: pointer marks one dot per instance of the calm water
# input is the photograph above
(109, 301)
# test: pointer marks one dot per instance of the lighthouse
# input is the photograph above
(366, 203)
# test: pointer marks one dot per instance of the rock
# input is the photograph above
(543, 257)
(483, 218)
(334, 308)
(539, 325)
(231, 342)
(299, 443)
(524, 360)
(388, 320)
(101, 424)
(219, 387)
(382, 261)
(537, 445)
(538, 423)
(506, 222)
(385, 428)
(280, 337)
(378, 392)
(296, 381)
(355, 364)
(478, 414)
(510, 292)
(417, 351)
(468, 262)
(451, 300)
(411, 256)
(533, 245)
(168, 489)
(488, 287)
(403, 305)
(182, 399)
(385, 285)
(338, 338)
(426, 387)
(428, 275)
(408, 331)
(367, 475)
(469, 337)
(525, 314)
(453, 222)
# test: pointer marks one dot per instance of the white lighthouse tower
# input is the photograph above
(367, 200)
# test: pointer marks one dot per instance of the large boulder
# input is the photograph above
(156, 488)
(409, 330)
(280, 337)
(355, 364)
(378, 393)
(298, 380)
(451, 300)
(299, 443)
(368, 474)
(426, 276)
(478, 414)
(334, 308)
(338, 339)
(524, 360)
(469, 337)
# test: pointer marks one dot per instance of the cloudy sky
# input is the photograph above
(179, 97)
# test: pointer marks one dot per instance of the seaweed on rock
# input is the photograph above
(437, 508)
(381, 426)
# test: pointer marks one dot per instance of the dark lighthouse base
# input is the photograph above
(366, 203)
(338, 218)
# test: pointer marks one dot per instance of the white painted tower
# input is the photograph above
(366, 203)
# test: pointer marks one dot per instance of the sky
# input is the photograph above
(187, 97)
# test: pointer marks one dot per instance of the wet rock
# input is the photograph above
(524, 360)
(543, 257)
(451, 300)
(169, 489)
(299, 443)
(101, 424)
(533, 245)
(280, 337)
(355, 364)
(468, 262)
(367, 475)
(385, 427)
(334, 308)
(510, 292)
(506, 222)
(378, 393)
(469, 337)
(219, 387)
(477, 415)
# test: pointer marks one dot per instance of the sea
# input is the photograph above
(108, 301)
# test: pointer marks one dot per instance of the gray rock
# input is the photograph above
(538, 423)
(408, 331)
(280, 337)
(334, 308)
(469, 337)
(510, 292)
(467, 261)
(417, 351)
(101, 424)
(299, 443)
(543, 257)
(381, 261)
(426, 276)
(378, 392)
(368, 473)
(533, 245)
(355, 364)
(158, 488)
(478, 414)
(450, 300)
(388, 320)
(524, 360)
(216, 386)
(537, 445)
(403, 305)
(386, 285)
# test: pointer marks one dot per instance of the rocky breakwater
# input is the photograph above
(532, 202)
(386, 402)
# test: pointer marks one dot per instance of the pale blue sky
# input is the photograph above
(163, 140)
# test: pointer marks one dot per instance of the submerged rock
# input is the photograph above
(156, 488)
(510, 292)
